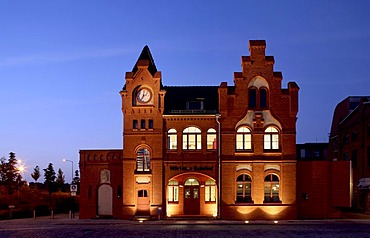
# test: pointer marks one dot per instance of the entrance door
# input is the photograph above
(105, 200)
(191, 197)
(143, 203)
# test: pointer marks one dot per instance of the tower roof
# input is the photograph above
(146, 56)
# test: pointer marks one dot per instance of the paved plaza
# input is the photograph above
(61, 226)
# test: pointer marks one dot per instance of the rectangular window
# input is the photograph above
(150, 124)
(345, 156)
(303, 153)
(142, 124)
(252, 98)
(184, 142)
(263, 98)
(211, 142)
(199, 142)
(210, 193)
(239, 141)
(247, 141)
(173, 193)
(267, 142)
(172, 141)
(275, 142)
(135, 124)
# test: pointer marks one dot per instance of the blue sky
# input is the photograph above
(62, 63)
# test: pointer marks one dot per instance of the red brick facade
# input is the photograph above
(225, 151)
(350, 141)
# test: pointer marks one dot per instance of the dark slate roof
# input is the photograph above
(146, 55)
(176, 98)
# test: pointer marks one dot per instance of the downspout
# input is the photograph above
(219, 166)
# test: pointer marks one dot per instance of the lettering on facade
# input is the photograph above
(191, 168)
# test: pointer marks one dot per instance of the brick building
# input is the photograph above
(350, 141)
(225, 151)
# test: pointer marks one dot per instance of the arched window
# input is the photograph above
(173, 191)
(191, 182)
(243, 138)
(252, 98)
(271, 139)
(211, 139)
(272, 188)
(244, 188)
(143, 160)
(172, 139)
(210, 191)
(191, 139)
(263, 98)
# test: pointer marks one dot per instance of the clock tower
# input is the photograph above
(142, 108)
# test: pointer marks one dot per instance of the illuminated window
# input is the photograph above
(191, 182)
(272, 187)
(211, 139)
(173, 191)
(191, 139)
(244, 188)
(172, 139)
(210, 191)
(243, 138)
(271, 139)
(143, 160)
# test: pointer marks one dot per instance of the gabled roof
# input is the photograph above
(177, 99)
(146, 56)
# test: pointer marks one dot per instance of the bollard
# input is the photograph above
(34, 214)
(70, 214)
(52, 214)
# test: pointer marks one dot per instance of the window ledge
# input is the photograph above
(244, 203)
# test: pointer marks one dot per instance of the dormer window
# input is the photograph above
(196, 104)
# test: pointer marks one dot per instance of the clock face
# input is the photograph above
(143, 95)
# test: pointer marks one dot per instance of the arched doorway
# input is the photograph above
(191, 197)
(105, 200)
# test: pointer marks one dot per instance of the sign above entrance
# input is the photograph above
(191, 168)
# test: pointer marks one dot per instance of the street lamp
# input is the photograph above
(64, 160)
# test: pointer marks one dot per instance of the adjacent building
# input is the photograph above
(350, 141)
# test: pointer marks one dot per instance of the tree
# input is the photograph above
(49, 175)
(60, 179)
(36, 173)
(9, 173)
(3, 166)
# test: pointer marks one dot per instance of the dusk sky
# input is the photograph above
(63, 63)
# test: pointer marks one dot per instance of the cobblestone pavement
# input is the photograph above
(63, 227)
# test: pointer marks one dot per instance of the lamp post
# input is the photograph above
(64, 160)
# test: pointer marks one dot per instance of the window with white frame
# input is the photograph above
(173, 191)
(271, 139)
(172, 139)
(243, 188)
(191, 139)
(143, 160)
(272, 188)
(210, 191)
(243, 138)
(211, 139)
